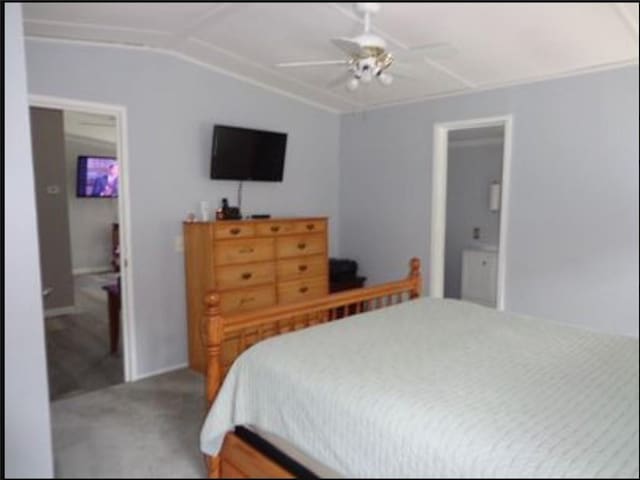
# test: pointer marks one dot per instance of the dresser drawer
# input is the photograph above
(240, 276)
(243, 250)
(275, 228)
(233, 230)
(302, 267)
(247, 299)
(311, 226)
(298, 245)
(300, 290)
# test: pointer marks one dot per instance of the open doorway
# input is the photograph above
(469, 210)
(79, 176)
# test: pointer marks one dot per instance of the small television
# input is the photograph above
(246, 154)
(97, 177)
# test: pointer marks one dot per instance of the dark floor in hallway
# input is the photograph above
(78, 357)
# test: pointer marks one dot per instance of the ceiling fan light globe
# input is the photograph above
(366, 76)
(385, 79)
(352, 84)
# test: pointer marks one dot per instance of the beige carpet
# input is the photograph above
(145, 429)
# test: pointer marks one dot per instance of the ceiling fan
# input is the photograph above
(367, 54)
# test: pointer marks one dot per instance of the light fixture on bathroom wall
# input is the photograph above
(494, 196)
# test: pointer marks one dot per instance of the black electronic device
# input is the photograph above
(247, 154)
(228, 213)
(260, 215)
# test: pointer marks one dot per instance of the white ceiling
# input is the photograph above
(493, 43)
(90, 126)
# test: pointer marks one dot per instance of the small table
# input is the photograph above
(113, 293)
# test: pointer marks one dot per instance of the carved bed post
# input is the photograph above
(213, 340)
(416, 277)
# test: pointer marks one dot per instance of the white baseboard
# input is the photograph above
(56, 312)
(84, 271)
(161, 371)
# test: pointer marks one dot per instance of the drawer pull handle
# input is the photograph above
(302, 245)
(303, 289)
(234, 231)
(275, 228)
(244, 300)
(302, 268)
(246, 250)
(310, 226)
(247, 275)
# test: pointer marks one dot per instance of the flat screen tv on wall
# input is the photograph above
(97, 177)
(246, 154)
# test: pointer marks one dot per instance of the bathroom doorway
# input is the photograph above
(471, 171)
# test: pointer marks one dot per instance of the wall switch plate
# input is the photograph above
(53, 189)
(476, 233)
(179, 243)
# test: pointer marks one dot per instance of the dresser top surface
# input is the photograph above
(256, 220)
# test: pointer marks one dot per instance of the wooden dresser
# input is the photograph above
(253, 264)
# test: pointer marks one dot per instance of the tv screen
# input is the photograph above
(245, 154)
(97, 177)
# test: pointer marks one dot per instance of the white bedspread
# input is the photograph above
(441, 388)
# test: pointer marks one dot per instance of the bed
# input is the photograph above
(409, 386)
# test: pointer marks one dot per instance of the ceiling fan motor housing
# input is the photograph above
(371, 42)
(367, 7)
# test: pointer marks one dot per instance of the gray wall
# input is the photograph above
(470, 171)
(47, 133)
(572, 238)
(27, 428)
(90, 219)
(172, 106)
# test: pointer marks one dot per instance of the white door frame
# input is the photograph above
(124, 208)
(439, 200)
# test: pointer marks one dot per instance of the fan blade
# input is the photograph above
(403, 76)
(340, 80)
(433, 51)
(318, 63)
(347, 45)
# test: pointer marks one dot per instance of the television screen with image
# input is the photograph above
(97, 177)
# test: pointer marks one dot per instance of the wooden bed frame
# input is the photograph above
(226, 337)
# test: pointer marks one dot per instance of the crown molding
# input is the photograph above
(189, 59)
(501, 85)
(354, 108)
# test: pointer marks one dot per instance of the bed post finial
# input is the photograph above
(213, 332)
(416, 277)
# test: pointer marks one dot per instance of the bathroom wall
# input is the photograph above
(471, 168)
